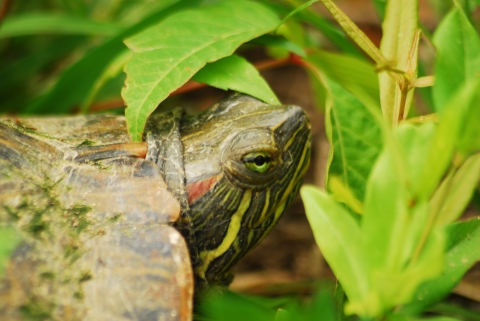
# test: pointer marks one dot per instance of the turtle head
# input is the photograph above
(244, 163)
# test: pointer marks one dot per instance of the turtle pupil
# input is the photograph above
(259, 160)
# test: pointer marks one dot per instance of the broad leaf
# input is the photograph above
(399, 27)
(338, 236)
(462, 252)
(458, 58)
(385, 219)
(355, 139)
(48, 23)
(79, 79)
(236, 73)
(170, 53)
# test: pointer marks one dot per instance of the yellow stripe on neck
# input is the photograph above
(233, 228)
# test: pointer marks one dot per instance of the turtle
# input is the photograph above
(117, 230)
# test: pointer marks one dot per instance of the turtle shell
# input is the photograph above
(88, 207)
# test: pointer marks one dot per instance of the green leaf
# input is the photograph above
(380, 7)
(447, 135)
(163, 61)
(462, 252)
(334, 34)
(385, 220)
(458, 58)
(355, 139)
(356, 75)
(234, 307)
(48, 23)
(282, 315)
(338, 236)
(9, 239)
(278, 42)
(468, 141)
(236, 73)
(399, 27)
(78, 80)
(458, 190)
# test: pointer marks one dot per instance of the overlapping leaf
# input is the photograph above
(167, 55)
(458, 59)
(462, 252)
(236, 73)
(79, 80)
(355, 139)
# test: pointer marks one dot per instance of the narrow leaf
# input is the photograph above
(236, 73)
(338, 236)
(459, 191)
(163, 61)
(399, 27)
(354, 32)
(458, 59)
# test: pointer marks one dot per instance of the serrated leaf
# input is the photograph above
(170, 53)
(77, 81)
(48, 23)
(338, 236)
(399, 27)
(236, 73)
(462, 252)
(458, 58)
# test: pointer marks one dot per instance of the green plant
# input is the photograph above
(396, 183)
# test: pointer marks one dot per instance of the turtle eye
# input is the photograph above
(259, 162)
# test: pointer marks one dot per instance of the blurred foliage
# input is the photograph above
(395, 183)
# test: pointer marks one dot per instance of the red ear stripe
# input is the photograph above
(199, 188)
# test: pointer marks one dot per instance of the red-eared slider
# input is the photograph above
(96, 211)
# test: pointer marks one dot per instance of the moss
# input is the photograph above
(87, 142)
(85, 276)
(77, 216)
(37, 225)
(36, 310)
(47, 275)
(79, 295)
(115, 218)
